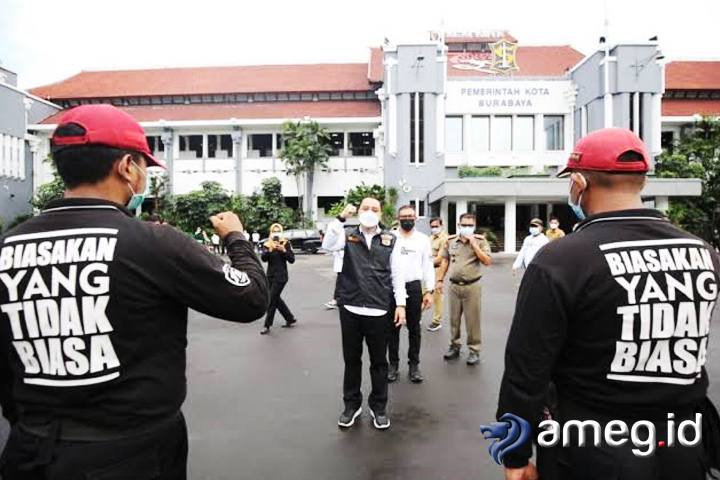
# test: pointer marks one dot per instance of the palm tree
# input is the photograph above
(306, 148)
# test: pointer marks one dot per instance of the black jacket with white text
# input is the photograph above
(617, 315)
(94, 309)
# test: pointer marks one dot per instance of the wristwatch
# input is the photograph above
(341, 218)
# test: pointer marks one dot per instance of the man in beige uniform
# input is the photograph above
(438, 239)
(463, 258)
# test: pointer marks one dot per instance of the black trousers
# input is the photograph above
(277, 303)
(374, 330)
(619, 463)
(413, 314)
(158, 455)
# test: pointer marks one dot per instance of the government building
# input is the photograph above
(466, 121)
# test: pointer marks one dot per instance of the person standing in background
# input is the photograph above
(554, 232)
(438, 239)
(277, 252)
(531, 245)
(417, 260)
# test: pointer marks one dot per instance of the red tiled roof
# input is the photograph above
(281, 110)
(533, 62)
(208, 80)
(692, 76)
(688, 108)
(376, 73)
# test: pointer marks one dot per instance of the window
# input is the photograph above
(337, 144)
(361, 144)
(279, 143)
(524, 133)
(417, 128)
(220, 146)
(453, 134)
(260, 145)
(3, 163)
(554, 132)
(12, 156)
(501, 134)
(480, 134)
(667, 142)
(156, 145)
(419, 207)
(191, 146)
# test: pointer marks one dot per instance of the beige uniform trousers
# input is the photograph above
(465, 300)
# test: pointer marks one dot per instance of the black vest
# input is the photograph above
(365, 280)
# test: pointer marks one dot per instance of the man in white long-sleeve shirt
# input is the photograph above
(531, 245)
(419, 272)
(372, 274)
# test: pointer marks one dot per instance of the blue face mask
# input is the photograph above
(137, 199)
(466, 231)
(576, 208)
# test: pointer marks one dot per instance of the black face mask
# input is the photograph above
(407, 224)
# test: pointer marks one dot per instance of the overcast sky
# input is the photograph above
(45, 41)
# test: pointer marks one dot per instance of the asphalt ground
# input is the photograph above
(266, 407)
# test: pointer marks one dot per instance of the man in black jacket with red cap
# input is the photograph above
(617, 315)
(93, 314)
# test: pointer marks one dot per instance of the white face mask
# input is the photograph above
(369, 219)
(436, 230)
(466, 231)
(535, 230)
(554, 226)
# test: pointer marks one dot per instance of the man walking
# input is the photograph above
(419, 273)
(554, 232)
(438, 239)
(372, 274)
(617, 316)
(464, 256)
(93, 314)
(531, 245)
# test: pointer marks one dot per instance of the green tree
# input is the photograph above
(194, 209)
(47, 192)
(306, 148)
(388, 198)
(696, 155)
(264, 207)
(158, 189)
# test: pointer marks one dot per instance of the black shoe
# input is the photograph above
(290, 323)
(415, 375)
(380, 420)
(265, 331)
(473, 358)
(392, 372)
(347, 418)
(452, 353)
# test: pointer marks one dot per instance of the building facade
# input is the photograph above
(464, 122)
(20, 152)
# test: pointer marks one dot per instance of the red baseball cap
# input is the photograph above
(106, 125)
(600, 150)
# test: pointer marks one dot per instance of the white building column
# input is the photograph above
(167, 138)
(510, 224)
(444, 212)
(237, 137)
(662, 204)
(461, 207)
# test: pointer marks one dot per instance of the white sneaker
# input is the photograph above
(434, 327)
(330, 305)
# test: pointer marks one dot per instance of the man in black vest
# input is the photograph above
(372, 274)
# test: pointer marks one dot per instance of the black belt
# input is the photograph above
(464, 283)
(66, 429)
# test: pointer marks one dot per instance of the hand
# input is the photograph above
(348, 211)
(514, 272)
(225, 223)
(529, 472)
(439, 286)
(427, 301)
(281, 247)
(399, 316)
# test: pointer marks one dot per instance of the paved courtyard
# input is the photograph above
(265, 407)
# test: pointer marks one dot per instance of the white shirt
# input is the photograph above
(416, 253)
(531, 245)
(335, 240)
(255, 237)
(215, 239)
